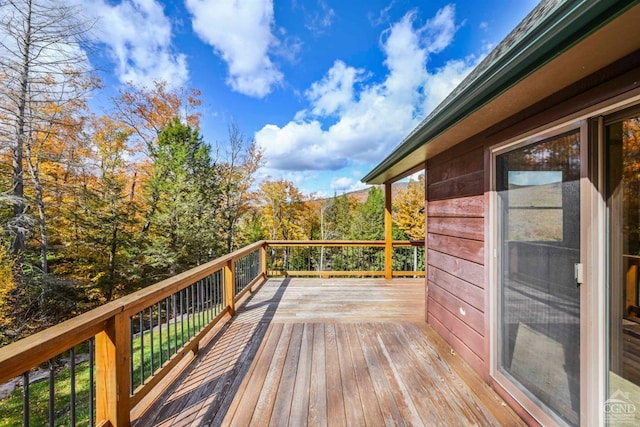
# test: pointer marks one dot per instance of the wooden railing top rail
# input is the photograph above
(374, 243)
(38, 347)
(47, 344)
(152, 294)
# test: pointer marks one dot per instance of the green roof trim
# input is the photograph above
(549, 30)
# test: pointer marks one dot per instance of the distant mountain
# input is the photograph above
(361, 195)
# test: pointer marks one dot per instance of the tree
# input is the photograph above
(7, 286)
(42, 66)
(368, 223)
(109, 213)
(338, 217)
(183, 186)
(284, 210)
(237, 173)
(147, 111)
(408, 209)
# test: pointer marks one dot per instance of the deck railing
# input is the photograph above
(343, 258)
(101, 367)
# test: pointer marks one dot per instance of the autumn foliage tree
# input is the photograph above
(284, 210)
(241, 159)
(408, 209)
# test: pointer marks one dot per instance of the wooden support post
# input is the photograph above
(113, 359)
(263, 261)
(388, 234)
(230, 286)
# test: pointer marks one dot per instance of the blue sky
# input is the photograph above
(326, 87)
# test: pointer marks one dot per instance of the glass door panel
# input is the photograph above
(538, 189)
(623, 203)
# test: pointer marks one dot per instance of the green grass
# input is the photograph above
(191, 328)
(11, 407)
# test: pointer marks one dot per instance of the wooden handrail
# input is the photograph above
(332, 243)
(109, 325)
(152, 294)
(23, 355)
(387, 269)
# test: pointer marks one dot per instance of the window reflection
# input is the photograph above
(623, 199)
(539, 212)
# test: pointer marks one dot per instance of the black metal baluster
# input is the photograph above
(201, 298)
(160, 333)
(216, 291)
(182, 301)
(188, 312)
(205, 296)
(152, 350)
(25, 399)
(210, 289)
(175, 323)
(72, 356)
(196, 320)
(52, 393)
(141, 347)
(168, 316)
(200, 303)
(196, 301)
(194, 309)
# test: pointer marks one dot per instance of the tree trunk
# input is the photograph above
(34, 171)
(18, 244)
(112, 262)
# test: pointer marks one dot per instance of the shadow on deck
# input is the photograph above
(329, 352)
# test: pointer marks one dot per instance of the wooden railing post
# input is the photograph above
(263, 261)
(230, 286)
(388, 233)
(113, 353)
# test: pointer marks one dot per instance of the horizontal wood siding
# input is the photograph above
(455, 252)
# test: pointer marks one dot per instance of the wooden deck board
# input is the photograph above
(317, 416)
(329, 353)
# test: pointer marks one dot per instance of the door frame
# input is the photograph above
(594, 234)
(532, 404)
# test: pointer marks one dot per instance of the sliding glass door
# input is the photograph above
(622, 142)
(538, 251)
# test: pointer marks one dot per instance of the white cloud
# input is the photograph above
(321, 19)
(349, 122)
(346, 185)
(440, 29)
(139, 39)
(241, 34)
(444, 80)
(334, 92)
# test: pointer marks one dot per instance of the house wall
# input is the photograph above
(457, 187)
(455, 251)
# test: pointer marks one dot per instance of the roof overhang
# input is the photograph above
(572, 42)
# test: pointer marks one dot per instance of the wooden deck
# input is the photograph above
(329, 352)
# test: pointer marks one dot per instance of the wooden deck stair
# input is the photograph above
(329, 352)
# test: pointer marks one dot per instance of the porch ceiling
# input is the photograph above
(551, 57)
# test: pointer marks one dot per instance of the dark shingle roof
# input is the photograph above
(553, 27)
(542, 10)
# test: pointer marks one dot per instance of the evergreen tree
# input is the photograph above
(368, 223)
(184, 188)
